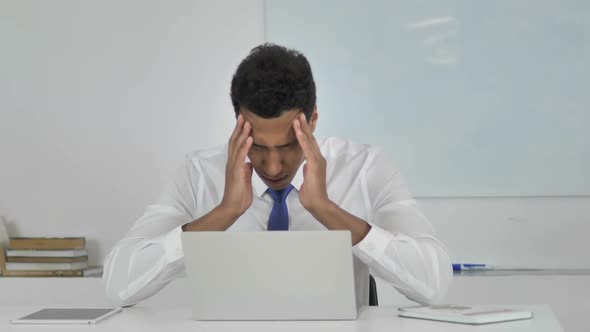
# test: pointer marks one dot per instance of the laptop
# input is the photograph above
(296, 275)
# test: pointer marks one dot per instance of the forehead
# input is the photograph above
(274, 131)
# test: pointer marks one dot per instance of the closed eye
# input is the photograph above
(288, 145)
(258, 147)
(280, 147)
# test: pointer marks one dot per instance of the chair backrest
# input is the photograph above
(373, 301)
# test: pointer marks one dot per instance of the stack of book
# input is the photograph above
(48, 257)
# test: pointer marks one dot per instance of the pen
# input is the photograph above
(463, 267)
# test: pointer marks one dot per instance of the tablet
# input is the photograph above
(67, 316)
(475, 315)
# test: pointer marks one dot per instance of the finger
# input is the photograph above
(237, 129)
(307, 131)
(303, 140)
(239, 142)
(244, 134)
(304, 125)
(307, 142)
(248, 172)
(304, 175)
(244, 149)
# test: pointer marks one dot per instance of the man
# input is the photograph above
(274, 175)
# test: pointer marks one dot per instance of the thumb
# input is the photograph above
(248, 172)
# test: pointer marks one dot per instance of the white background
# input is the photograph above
(100, 100)
(470, 98)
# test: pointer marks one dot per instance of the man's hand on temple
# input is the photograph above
(313, 193)
(237, 196)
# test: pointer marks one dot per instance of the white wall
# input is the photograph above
(534, 232)
(100, 100)
(471, 98)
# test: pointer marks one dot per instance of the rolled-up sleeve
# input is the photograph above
(150, 255)
(401, 247)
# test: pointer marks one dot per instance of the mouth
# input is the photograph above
(276, 180)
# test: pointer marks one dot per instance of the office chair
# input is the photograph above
(372, 292)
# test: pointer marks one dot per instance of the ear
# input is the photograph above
(314, 119)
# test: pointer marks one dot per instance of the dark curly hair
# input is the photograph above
(273, 79)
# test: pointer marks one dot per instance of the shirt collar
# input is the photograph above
(260, 187)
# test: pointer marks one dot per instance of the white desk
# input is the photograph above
(152, 318)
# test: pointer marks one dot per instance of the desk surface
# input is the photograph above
(150, 318)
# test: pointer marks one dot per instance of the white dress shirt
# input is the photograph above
(401, 247)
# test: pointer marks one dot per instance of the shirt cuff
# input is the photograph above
(372, 247)
(172, 245)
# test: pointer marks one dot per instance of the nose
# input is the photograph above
(273, 164)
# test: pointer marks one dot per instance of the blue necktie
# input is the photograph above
(279, 215)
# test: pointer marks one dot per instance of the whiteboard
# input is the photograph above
(469, 98)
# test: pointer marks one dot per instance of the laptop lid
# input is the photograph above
(302, 275)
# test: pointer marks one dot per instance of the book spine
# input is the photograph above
(47, 243)
(2, 261)
(46, 266)
(46, 253)
(11, 259)
(24, 273)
